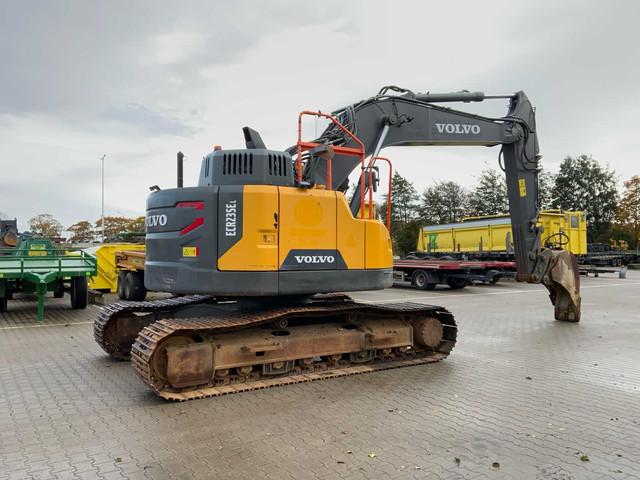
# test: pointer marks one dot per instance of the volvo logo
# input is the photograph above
(315, 258)
(156, 220)
(457, 128)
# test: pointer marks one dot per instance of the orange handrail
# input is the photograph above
(359, 152)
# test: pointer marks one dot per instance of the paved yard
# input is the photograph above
(521, 396)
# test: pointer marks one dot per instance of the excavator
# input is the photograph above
(260, 253)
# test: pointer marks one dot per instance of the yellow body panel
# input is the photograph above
(473, 236)
(350, 234)
(107, 277)
(257, 250)
(307, 220)
(378, 250)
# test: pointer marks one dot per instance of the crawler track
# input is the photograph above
(148, 346)
(112, 317)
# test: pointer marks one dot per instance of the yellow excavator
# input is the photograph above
(256, 252)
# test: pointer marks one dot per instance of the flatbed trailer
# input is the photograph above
(36, 267)
(610, 258)
(426, 274)
(587, 270)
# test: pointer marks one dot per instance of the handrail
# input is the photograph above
(360, 152)
(372, 161)
(54, 258)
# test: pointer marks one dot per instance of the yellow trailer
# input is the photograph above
(107, 278)
(492, 234)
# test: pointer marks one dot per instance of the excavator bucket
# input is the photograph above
(8, 239)
(563, 282)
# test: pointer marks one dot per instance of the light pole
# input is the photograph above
(102, 216)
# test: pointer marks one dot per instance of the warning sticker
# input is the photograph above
(189, 251)
(522, 185)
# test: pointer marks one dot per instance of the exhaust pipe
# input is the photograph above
(180, 168)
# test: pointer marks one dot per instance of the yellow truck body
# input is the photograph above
(493, 234)
(107, 277)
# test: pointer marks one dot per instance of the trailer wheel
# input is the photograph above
(122, 276)
(134, 286)
(59, 291)
(420, 280)
(79, 293)
(456, 283)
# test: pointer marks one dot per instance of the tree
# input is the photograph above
(582, 184)
(405, 237)
(45, 225)
(628, 213)
(137, 225)
(403, 201)
(81, 231)
(545, 188)
(489, 197)
(404, 225)
(444, 202)
(113, 227)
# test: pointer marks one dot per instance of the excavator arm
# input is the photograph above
(409, 119)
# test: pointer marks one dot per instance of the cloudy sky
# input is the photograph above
(139, 81)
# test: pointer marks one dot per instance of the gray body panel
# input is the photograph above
(175, 277)
(166, 270)
(181, 279)
(247, 167)
(326, 281)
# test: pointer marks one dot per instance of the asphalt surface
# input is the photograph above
(521, 396)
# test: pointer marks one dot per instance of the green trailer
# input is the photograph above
(36, 266)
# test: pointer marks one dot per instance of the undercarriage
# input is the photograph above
(197, 346)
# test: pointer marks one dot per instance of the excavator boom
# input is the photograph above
(411, 119)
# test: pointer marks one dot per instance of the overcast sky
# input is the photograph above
(139, 81)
